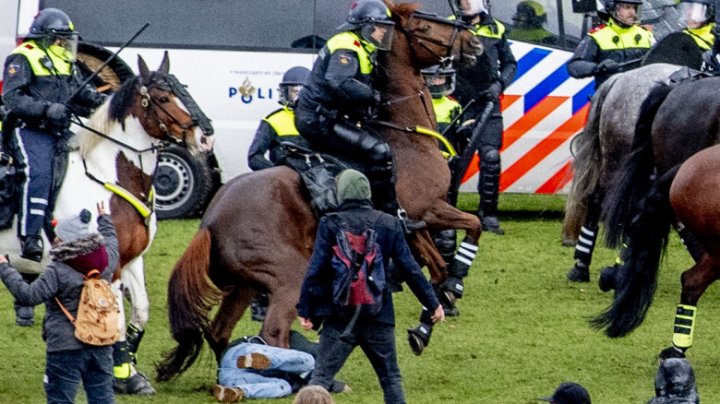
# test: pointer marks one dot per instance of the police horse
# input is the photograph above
(258, 231)
(601, 147)
(113, 160)
(675, 122)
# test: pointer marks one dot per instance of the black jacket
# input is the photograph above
(316, 293)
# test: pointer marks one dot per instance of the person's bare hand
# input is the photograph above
(439, 314)
(305, 323)
(101, 208)
(3, 259)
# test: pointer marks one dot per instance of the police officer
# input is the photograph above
(339, 99)
(487, 82)
(39, 78)
(699, 15)
(529, 24)
(279, 125)
(603, 52)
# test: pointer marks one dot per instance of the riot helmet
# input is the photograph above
(371, 18)
(292, 82)
(529, 14)
(696, 13)
(619, 11)
(471, 8)
(440, 80)
(52, 27)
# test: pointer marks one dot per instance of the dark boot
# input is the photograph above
(127, 380)
(488, 188)
(259, 307)
(32, 248)
(491, 224)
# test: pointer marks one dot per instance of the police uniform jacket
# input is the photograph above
(611, 41)
(34, 78)
(704, 36)
(499, 67)
(341, 80)
(278, 126)
(446, 109)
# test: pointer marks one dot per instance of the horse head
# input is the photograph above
(435, 39)
(167, 111)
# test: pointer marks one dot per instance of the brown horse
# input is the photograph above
(114, 162)
(258, 231)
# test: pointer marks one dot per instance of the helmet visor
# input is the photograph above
(379, 33)
(289, 94)
(440, 83)
(471, 7)
(65, 45)
(696, 13)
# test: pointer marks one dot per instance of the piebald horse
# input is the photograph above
(113, 159)
(258, 232)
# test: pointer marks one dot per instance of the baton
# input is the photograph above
(110, 59)
(466, 156)
(458, 116)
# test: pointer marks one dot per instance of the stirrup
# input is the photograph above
(409, 225)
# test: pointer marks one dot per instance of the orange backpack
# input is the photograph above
(97, 313)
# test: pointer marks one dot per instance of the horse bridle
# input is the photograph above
(147, 99)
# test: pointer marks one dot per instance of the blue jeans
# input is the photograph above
(65, 369)
(263, 383)
(377, 342)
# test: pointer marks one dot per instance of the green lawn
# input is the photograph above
(522, 329)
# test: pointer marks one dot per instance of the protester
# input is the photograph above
(675, 383)
(374, 333)
(568, 393)
(76, 250)
(313, 395)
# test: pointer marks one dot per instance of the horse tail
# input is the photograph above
(190, 298)
(635, 178)
(587, 163)
(636, 280)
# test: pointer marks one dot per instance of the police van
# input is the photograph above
(232, 55)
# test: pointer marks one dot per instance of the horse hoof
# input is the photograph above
(606, 281)
(566, 242)
(418, 339)
(578, 273)
(671, 352)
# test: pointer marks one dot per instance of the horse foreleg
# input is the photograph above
(235, 301)
(133, 280)
(281, 314)
(580, 272)
(427, 254)
(694, 283)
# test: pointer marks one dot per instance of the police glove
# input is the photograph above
(607, 66)
(493, 91)
(57, 113)
(377, 97)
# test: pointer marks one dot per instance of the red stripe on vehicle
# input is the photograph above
(531, 118)
(507, 100)
(543, 149)
(557, 181)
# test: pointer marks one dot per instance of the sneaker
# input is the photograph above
(32, 248)
(227, 394)
(137, 384)
(256, 339)
(578, 273)
(255, 360)
(492, 224)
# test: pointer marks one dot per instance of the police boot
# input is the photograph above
(488, 188)
(419, 337)
(446, 242)
(32, 248)
(259, 307)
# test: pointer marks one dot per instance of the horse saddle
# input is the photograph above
(318, 172)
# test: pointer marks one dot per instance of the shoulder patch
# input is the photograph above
(596, 29)
(12, 69)
(29, 46)
(356, 43)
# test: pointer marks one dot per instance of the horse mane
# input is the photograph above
(113, 111)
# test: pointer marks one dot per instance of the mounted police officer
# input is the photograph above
(487, 80)
(615, 47)
(529, 24)
(39, 78)
(279, 125)
(339, 99)
(699, 16)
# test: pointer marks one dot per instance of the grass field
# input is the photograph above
(522, 329)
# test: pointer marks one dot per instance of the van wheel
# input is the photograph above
(183, 184)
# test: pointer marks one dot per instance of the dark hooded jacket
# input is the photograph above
(675, 383)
